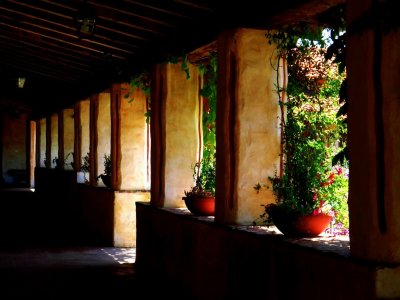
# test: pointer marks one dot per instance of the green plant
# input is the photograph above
(56, 161)
(107, 167)
(142, 82)
(204, 178)
(209, 94)
(312, 131)
(309, 183)
(85, 166)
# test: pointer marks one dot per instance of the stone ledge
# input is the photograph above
(325, 242)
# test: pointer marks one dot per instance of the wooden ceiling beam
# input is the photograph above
(65, 38)
(160, 7)
(45, 69)
(38, 70)
(18, 51)
(123, 9)
(195, 5)
(22, 33)
(50, 47)
(39, 19)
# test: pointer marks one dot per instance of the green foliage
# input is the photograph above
(142, 82)
(204, 178)
(139, 81)
(57, 163)
(185, 66)
(107, 166)
(204, 172)
(184, 63)
(313, 129)
(209, 94)
(85, 166)
(309, 183)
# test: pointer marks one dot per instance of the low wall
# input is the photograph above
(96, 215)
(108, 216)
(197, 258)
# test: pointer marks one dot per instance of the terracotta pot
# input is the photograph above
(200, 206)
(313, 225)
(302, 226)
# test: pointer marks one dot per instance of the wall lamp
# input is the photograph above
(85, 20)
(21, 82)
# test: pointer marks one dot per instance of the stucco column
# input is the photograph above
(129, 162)
(373, 65)
(68, 137)
(77, 136)
(133, 140)
(60, 139)
(174, 133)
(248, 134)
(93, 138)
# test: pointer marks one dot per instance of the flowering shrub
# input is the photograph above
(309, 183)
(312, 133)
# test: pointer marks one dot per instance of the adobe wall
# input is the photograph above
(200, 259)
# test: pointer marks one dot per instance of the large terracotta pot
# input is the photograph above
(301, 226)
(200, 206)
(313, 225)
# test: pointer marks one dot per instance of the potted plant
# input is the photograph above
(85, 169)
(106, 175)
(57, 163)
(309, 190)
(200, 199)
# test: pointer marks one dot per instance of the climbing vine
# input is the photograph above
(209, 94)
(142, 82)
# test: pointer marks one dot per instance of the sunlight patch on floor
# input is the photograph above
(122, 255)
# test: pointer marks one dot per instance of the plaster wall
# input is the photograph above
(134, 143)
(69, 137)
(54, 139)
(14, 145)
(42, 142)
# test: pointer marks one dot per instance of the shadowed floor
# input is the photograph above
(67, 272)
(44, 256)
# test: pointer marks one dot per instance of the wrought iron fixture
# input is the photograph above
(21, 82)
(85, 20)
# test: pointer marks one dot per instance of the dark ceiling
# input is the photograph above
(39, 40)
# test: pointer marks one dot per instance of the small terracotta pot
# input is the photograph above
(200, 206)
